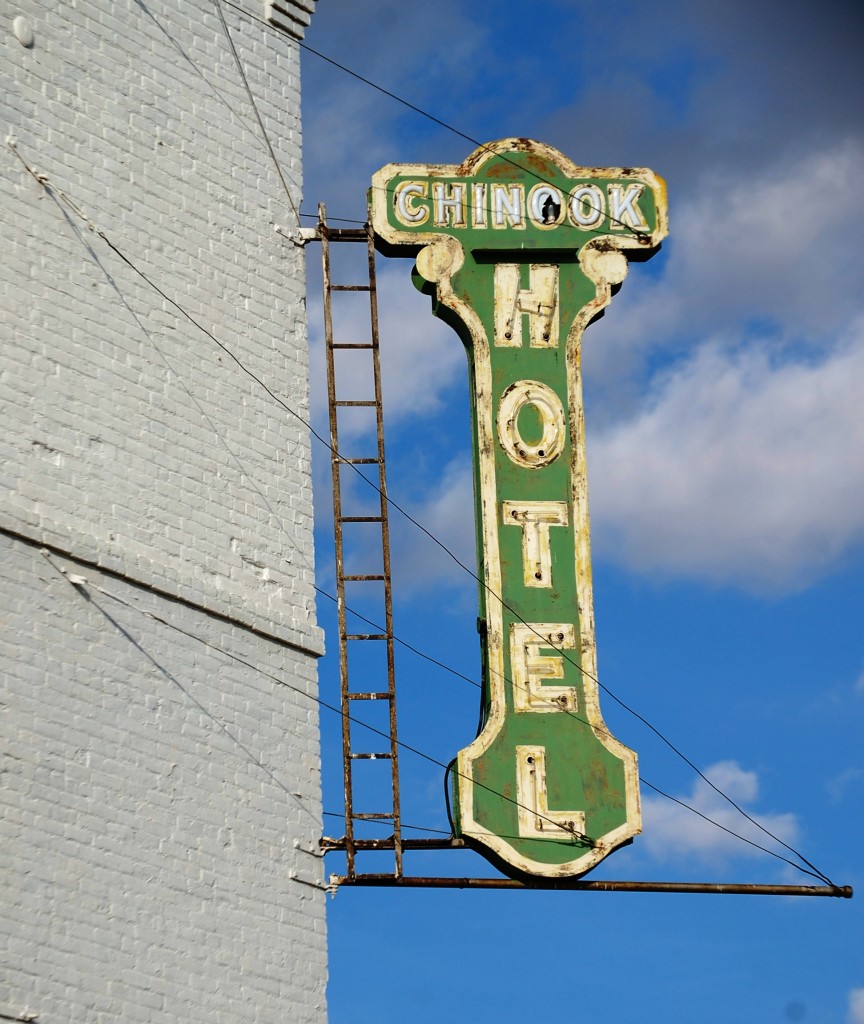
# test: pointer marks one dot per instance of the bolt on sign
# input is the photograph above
(520, 250)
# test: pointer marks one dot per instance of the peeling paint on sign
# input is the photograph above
(520, 250)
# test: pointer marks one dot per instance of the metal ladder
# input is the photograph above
(349, 641)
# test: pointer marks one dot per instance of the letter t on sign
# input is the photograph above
(544, 789)
(535, 518)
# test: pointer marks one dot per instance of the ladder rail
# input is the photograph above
(339, 545)
(385, 537)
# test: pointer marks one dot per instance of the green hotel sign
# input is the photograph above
(520, 250)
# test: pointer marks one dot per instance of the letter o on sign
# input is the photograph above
(548, 405)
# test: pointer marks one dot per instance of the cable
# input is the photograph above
(772, 853)
(415, 828)
(386, 92)
(419, 828)
(404, 643)
(639, 232)
(80, 583)
(344, 220)
(239, 63)
(815, 873)
(455, 558)
(195, 67)
(83, 586)
(565, 655)
(45, 183)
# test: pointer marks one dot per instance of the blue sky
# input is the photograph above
(726, 464)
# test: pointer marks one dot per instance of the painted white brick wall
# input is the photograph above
(161, 810)
(159, 798)
(137, 442)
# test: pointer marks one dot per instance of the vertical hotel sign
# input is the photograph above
(520, 250)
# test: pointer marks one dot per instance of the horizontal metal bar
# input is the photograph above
(366, 405)
(369, 879)
(345, 234)
(365, 636)
(329, 845)
(357, 579)
(356, 462)
(711, 888)
(362, 519)
(350, 288)
(371, 757)
(373, 817)
(352, 345)
(369, 696)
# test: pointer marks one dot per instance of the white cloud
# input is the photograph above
(421, 361)
(779, 250)
(671, 832)
(448, 514)
(350, 128)
(783, 245)
(738, 471)
(838, 786)
(856, 1006)
(421, 357)
(742, 464)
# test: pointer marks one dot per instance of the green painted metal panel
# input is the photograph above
(519, 250)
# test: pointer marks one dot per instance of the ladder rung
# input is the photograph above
(372, 877)
(358, 579)
(372, 817)
(371, 757)
(389, 842)
(368, 404)
(347, 234)
(352, 345)
(365, 636)
(357, 462)
(360, 844)
(361, 519)
(350, 288)
(370, 696)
